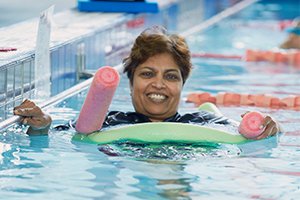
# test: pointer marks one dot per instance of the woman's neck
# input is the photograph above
(156, 120)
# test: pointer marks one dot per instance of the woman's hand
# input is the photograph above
(33, 116)
(272, 127)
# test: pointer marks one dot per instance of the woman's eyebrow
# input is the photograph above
(172, 70)
(150, 68)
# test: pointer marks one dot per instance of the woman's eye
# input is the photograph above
(147, 74)
(172, 77)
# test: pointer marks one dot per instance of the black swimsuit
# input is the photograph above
(119, 118)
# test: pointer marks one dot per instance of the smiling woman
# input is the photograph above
(157, 68)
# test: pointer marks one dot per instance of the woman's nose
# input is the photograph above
(158, 83)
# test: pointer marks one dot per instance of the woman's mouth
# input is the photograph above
(157, 96)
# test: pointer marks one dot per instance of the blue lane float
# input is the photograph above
(118, 6)
(159, 132)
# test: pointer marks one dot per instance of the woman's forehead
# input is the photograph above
(163, 61)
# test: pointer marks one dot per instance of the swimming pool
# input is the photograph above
(55, 167)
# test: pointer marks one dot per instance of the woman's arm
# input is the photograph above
(272, 127)
(33, 116)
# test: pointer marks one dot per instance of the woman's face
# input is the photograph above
(156, 89)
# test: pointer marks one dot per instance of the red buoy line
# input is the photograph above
(291, 57)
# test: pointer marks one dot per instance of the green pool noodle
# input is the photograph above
(157, 132)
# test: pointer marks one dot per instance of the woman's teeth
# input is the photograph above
(156, 96)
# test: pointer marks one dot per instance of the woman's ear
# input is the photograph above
(130, 85)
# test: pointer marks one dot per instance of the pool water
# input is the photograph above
(56, 167)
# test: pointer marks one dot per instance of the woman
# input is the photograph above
(157, 68)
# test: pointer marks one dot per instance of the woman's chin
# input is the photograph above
(158, 115)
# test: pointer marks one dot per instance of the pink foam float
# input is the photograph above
(98, 99)
(249, 126)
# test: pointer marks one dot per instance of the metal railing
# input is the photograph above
(17, 83)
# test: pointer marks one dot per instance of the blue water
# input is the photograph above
(55, 167)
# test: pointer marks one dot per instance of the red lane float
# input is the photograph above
(291, 57)
(249, 126)
(98, 99)
(280, 25)
(211, 55)
(228, 98)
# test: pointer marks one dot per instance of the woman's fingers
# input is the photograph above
(24, 103)
(23, 121)
(275, 131)
(265, 121)
(32, 115)
(36, 123)
(242, 115)
(27, 108)
(271, 128)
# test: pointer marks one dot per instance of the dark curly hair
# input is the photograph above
(153, 41)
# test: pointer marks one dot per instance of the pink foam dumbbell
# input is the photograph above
(98, 99)
(249, 126)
